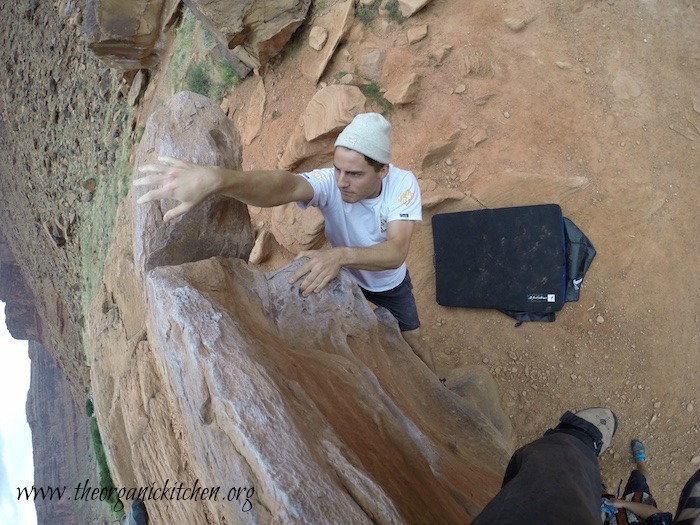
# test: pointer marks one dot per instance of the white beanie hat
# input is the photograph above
(369, 134)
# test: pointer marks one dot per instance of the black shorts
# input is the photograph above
(400, 302)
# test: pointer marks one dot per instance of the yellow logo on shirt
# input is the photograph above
(406, 197)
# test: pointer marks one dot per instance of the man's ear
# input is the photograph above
(383, 171)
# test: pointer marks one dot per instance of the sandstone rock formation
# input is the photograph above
(411, 7)
(317, 37)
(337, 23)
(327, 113)
(255, 30)
(371, 64)
(437, 151)
(219, 226)
(331, 109)
(300, 154)
(261, 248)
(417, 33)
(432, 195)
(253, 119)
(130, 35)
(511, 187)
(404, 91)
(127, 35)
(305, 400)
(297, 229)
(314, 409)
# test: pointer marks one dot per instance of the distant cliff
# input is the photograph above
(20, 313)
(63, 454)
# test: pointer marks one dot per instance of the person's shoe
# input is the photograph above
(688, 511)
(604, 420)
(639, 452)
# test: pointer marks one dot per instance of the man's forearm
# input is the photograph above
(383, 256)
(263, 188)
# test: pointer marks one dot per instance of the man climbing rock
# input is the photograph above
(369, 205)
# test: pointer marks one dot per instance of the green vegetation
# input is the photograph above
(182, 48)
(111, 167)
(99, 219)
(394, 12)
(208, 38)
(197, 78)
(193, 67)
(366, 14)
(139, 134)
(106, 481)
(227, 77)
(374, 93)
(317, 7)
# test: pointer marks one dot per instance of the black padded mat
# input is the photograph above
(505, 258)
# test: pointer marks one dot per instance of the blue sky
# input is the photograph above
(16, 463)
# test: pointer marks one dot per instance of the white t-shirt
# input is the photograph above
(364, 223)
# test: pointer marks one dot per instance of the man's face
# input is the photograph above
(355, 177)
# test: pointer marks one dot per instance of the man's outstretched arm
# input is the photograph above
(324, 265)
(191, 183)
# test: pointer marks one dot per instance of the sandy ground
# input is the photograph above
(594, 105)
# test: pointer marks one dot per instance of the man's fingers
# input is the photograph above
(314, 284)
(303, 270)
(165, 182)
(149, 180)
(165, 163)
(173, 162)
(153, 195)
(146, 197)
(151, 168)
(160, 194)
(175, 212)
(306, 286)
(322, 284)
(165, 166)
(319, 271)
(315, 281)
